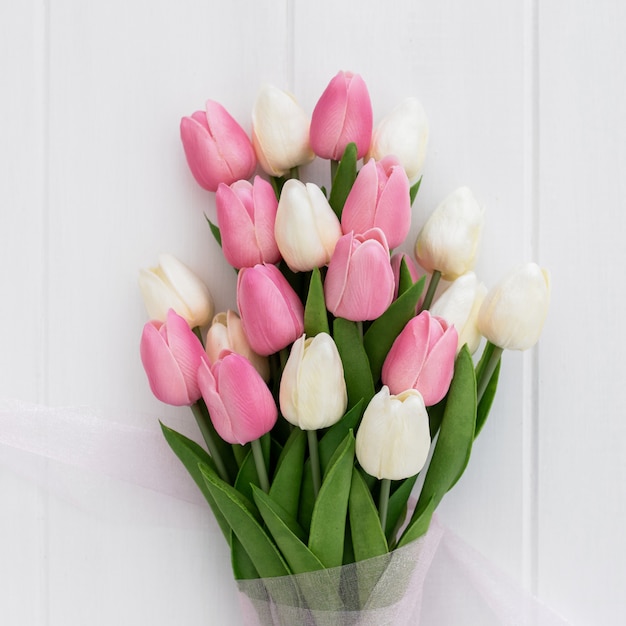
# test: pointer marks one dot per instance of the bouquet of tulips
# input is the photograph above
(322, 400)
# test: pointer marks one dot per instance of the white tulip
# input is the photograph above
(513, 313)
(280, 132)
(172, 285)
(448, 241)
(393, 439)
(312, 388)
(226, 333)
(404, 134)
(306, 228)
(459, 305)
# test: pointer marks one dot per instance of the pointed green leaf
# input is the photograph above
(239, 513)
(356, 367)
(315, 314)
(418, 525)
(192, 455)
(243, 567)
(456, 435)
(248, 474)
(396, 510)
(328, 522)
(383, 332)
(484, 405)
(344, 179)
(337, 433)
(368, 539)
(414, 189)
(215, 231)
(285, 488)
(405, 281)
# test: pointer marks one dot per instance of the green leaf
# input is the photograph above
(328, 522)
(315, 314)
(356, 367)
(243, 567)
(435, 415)
(405, 281)
(456, 435)
(484, 405)
(397, 507)
(368, 539)
(215, 231)
(285, 488)
(418, 525)
(383, 332)
(192, 455)
(240, 514)
(248, 474)
(414, 189)
(337, 433)
(344, 179)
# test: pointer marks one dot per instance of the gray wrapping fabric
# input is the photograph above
(385, 590)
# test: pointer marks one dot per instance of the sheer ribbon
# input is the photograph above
(447, 582)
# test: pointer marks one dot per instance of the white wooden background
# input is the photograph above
(526, 103)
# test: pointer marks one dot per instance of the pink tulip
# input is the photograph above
(396, 262)
(359, 284)
(342, 115)
(246, 214)
(171, 355)
(271, 312)
(240, 404)
(379, 198)
(422, 358)
(217, 148)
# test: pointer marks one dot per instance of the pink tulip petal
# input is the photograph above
(359, 211)
(218, 413)
(436, 375)
(337, 274)
(393, 210)
(265, 206)
(358, 120)
(164, 375)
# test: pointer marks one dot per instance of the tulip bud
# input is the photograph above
(217, 148)
(171, 355)
(246, 214)
(422, 358)
(379, 198)
(280, 132)
(513, 313)
(312, 388)
(393, 439)
(359, 284)
(448, 241)
(404, 134)
(342, 115)
(226, 334)
(172, 285)
(271, 312)
(459, 306)
(240, 404)
(307, 228)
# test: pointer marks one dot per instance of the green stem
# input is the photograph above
(314, 455)
(488, 370)
(294, 172)
(432, 287)
(207, 434)
(383, 501)
(259, 461)
(333, 170)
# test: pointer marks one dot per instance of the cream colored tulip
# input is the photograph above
(448, 242)
(172, 285)
(312, 388)
(280, 132)
(393, 439)
(226, 333)
(404, 134)
(306, 228)
(514, 311)
(459, 305)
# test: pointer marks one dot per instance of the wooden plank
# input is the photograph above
(582, 220)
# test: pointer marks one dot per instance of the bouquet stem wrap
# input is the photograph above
(385, 590)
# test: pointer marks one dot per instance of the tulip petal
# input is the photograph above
(436, 374)
(217, 411)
